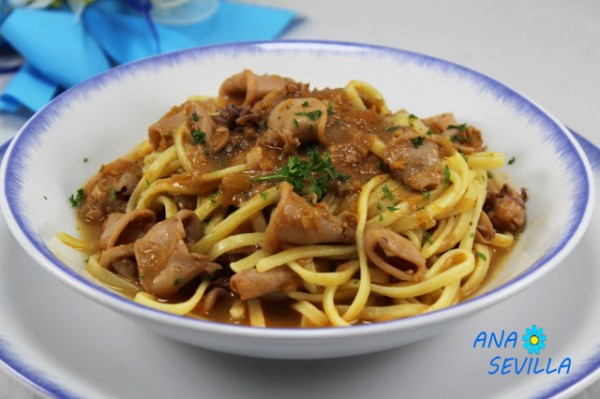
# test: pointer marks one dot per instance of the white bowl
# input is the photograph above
(104, 117)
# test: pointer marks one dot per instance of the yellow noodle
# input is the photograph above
(234, 242)
(462, 266)
(206, 205)
(249, 261)
(389, 312)
(235, 219)
(185, 162)
(503, 240)
(483, 256)
(109, 278)
(169, 205)
(256, 315)
(329, 307)
(310, 251)
(485, 160)
(73, 242)
(364, 286)
(469, 237)
(357, 90)
(316, 317)
(237, 311)
(151, 173)
(324, 278)
(181, 308)
(447, 298)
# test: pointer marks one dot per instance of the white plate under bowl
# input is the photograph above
(45, 345)
(104, 117)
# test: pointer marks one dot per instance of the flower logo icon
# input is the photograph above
(534, 340)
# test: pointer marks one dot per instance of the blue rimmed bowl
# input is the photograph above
(103, 118)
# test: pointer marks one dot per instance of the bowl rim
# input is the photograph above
(111, 299)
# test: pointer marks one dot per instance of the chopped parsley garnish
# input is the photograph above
(512, 160)
(177, 281)
(315, 172)
(330, 108)
(194, 117)
(198, 137)
(264, 195)
(312, 115)
(213, 197)
(455, 138)
(392, 208)
(387, 194)
(417, 141)
(412, 116)
(379, 206)
(77, 198)
(426, 195)
(480, 255)
(305, 103)
(462, 127)
(429, 132)
(295, 122)
(380, 165)
(85, 160)
(427, 236)
(391, 128)
(446, 174)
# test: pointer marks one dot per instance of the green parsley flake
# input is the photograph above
(305, 103)
(177, 281)
(417, 141)
(329, 108)
(77, 198)
(387, 194)
(427, 236)
(194, 117)
(316, 172)
(426, 195)
(462, 127)
(480, 255)
(512, 160)
(392, 208)
(446, 174)
(295, 122)
(198, 137)
(312, 115)
(391, 128)
(213, 197)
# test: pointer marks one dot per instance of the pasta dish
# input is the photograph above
(278, 204)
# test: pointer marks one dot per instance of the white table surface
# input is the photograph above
(547, 49)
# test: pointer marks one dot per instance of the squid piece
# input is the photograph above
(165, 263)
(246, 88)
(393, 253)
(296, 221)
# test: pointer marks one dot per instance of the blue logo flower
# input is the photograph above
(534, 340)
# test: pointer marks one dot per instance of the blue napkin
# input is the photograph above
(61, 50)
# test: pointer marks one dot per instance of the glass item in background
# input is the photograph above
(182, 12)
